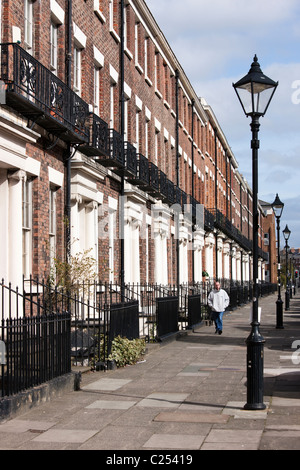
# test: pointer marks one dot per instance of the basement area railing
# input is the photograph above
(45, 330)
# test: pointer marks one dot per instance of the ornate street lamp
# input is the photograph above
(286, 233)
(277, 206)
(255, 92)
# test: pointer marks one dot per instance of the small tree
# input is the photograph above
(73, 275)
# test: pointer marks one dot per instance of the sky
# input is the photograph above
(215, 43)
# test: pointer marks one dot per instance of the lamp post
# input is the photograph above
(255, 92)
(291, 277)
(286, 233)
(277, 206)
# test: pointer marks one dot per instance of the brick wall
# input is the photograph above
(150, 75)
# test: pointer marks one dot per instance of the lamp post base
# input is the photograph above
(254, 406)
(279, 314)
(255, 370)
(287, 300)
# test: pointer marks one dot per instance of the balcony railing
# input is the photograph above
(154, 180)
(141, 177)
(215, 218)
(197, 211)
(130, 159)
(177, 195)
(114, 158)
(98, 144)
(170, 191)
(184, 199)
(209, 220)
(163, 186)
(36, 93)
(39, 95)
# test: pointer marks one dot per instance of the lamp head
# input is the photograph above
(255, 90)
(286, 233)
(277, 206)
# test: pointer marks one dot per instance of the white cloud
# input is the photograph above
(215, 43)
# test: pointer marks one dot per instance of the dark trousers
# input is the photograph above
(217, 317)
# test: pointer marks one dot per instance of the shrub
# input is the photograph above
(125, 351)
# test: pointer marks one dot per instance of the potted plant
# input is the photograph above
(205, 274)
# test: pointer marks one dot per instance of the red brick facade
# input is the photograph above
(206, 162)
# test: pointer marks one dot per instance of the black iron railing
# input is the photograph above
(154, 179)
(209, 220)
(37, 346)
(41, 96)
(193, 206)
(130, 159)
(44, 330)
(215, 218)
(163, 185)
(98, 144)
(142, 177)
(170, 191)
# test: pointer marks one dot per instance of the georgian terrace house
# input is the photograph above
(106, 147)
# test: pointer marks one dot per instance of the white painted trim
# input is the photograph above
(57, 12)
(55, 177)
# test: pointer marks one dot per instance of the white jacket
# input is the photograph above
(218, 300)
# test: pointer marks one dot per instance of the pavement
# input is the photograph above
(183, 396)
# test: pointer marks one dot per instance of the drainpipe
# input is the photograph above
(193, 260)
(122, 129)
(241, 222)
(226, 160)
(69, 46)
(216, 200)
(241, 208)
(177, 171)
(68, 151)
(230, 195)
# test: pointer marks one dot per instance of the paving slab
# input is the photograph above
(234, 439)
(190, 417)
(66, 435)
(283, 427)
(107, 384)
(163, 400)
(187, 394)
(20, 426)
(282, 402)
(236, 409)
(171, 441)
(225, 446)
(111, 405)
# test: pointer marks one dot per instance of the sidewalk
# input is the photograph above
(186, 395)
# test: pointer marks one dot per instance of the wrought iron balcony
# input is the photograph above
(180, 198)
(193, 206)
(115, 155)
(184, 199)
(163, 186)
(124, 165)
(151, 179)
(209, 220)
(170, 191)
(39, 95)
(177, 195)
(223, 223)
(98, 143)
(153, 187)
(141, 178)
(215, 218)
(130, 159)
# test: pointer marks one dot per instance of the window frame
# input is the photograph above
(28, 24)
(27, 226)
(53, 46)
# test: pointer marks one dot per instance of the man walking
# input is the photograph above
(218, 300)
